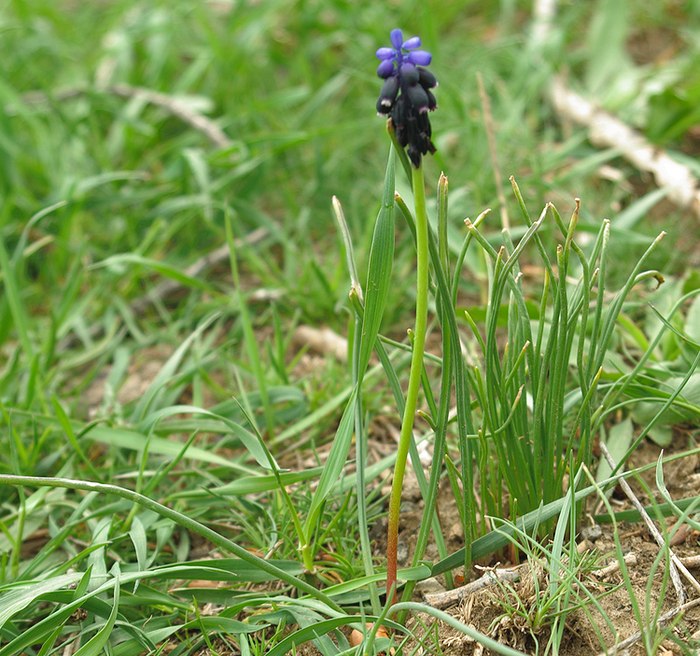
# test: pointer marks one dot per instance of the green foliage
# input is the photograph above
(138, 138)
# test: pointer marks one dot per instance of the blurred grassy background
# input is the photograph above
(141, 194)
(105, 194)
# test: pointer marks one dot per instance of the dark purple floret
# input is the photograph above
(406, 94)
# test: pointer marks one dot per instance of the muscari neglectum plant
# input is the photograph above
(406, 97)
(532, 416)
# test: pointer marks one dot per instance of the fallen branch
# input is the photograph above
(172, 104)
(605, 130)
(603, 572)
(441, 600)
(675, 565)
(636, 637)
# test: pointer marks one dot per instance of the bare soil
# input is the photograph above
(508, 611)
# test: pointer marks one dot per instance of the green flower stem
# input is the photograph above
(414, 379)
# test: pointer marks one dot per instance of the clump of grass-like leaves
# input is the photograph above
(499, 368)
(175, 520)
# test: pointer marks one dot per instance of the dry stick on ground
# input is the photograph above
(675, 565)
(636, 637)
(172, 104)
(607, 131)
(177, 108)
(691, 561)
(603, 572)
(441, 600)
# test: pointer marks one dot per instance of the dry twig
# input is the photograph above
(691, 561)
(172, 104)
(608, 131)
(630, 559)
(449, 598)
(177, 108)
(635, 637)
(675, 565)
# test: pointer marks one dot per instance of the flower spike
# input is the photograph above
(406, 94)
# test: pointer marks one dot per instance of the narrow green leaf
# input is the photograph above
(381, 259)
(219, 624)
(333, 467)
(94, 646)
(251, 485)
(67, 427)
(692, 322)
(96, 560)
(606, 44)
(639, 209)
(49, 642)
(131, 439)
(418, 573)
(249, 441)
(21, 596)
(169, 271)
(227, 569)
(347, 242)
(137, 534)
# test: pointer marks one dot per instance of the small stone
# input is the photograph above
(591, 533)
(408, 507)
(378, 530)
(429, 586)
(402, 553)
(456, 533)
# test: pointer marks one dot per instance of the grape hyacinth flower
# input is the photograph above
(406, 95)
